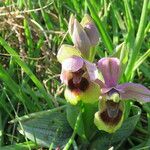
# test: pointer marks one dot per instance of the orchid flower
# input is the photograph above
(78, 75)
(110, 116)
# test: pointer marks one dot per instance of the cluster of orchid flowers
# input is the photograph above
(83, 81)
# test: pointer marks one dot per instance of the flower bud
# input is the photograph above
(90, 29)
(79, 37)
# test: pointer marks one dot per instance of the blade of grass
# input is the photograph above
(104, 35)
(15, 88)
(130, 22)
(4, 105)
(118, 17)
(33, 14)
(28, 35)
(130, 26)
(138, 40)
(115, 28)
(77, 6)
(45, 17)
(142, 59)
(23, 65)
(1, 130)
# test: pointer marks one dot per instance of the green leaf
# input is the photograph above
(105, 140)
(72, 114)
(51, 128)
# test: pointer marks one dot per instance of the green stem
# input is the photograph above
(92, 54)
(138, 40)
(71, 140)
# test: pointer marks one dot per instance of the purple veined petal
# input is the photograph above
(110, 69)
(72, 64)
(105, 90)
(80, 39)
(90, 29)
(92, 33)
(134, 91)
(92, 70)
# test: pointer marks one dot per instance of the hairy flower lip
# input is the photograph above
(110, 116)
(81, 86)
(112, 113)
(110, 120)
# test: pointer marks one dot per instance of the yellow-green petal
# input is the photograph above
(86, 20)
(106, 127)
(91, 95)
(67, 51)
(72, 97)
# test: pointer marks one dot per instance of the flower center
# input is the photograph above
(78, 86)
(113, 95)
(112, 114)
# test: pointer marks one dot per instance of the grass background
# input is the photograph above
(31, 32)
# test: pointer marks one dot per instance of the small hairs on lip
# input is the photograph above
(111, 120)
(81, 86)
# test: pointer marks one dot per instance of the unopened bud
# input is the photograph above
(90, 29)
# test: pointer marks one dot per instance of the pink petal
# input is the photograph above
(105, 90)
(134, 91)
(80, 39)
(72, 64)
(65, 76)
(90, 29)
(92, 70)
(92, 33)
(110, 68)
